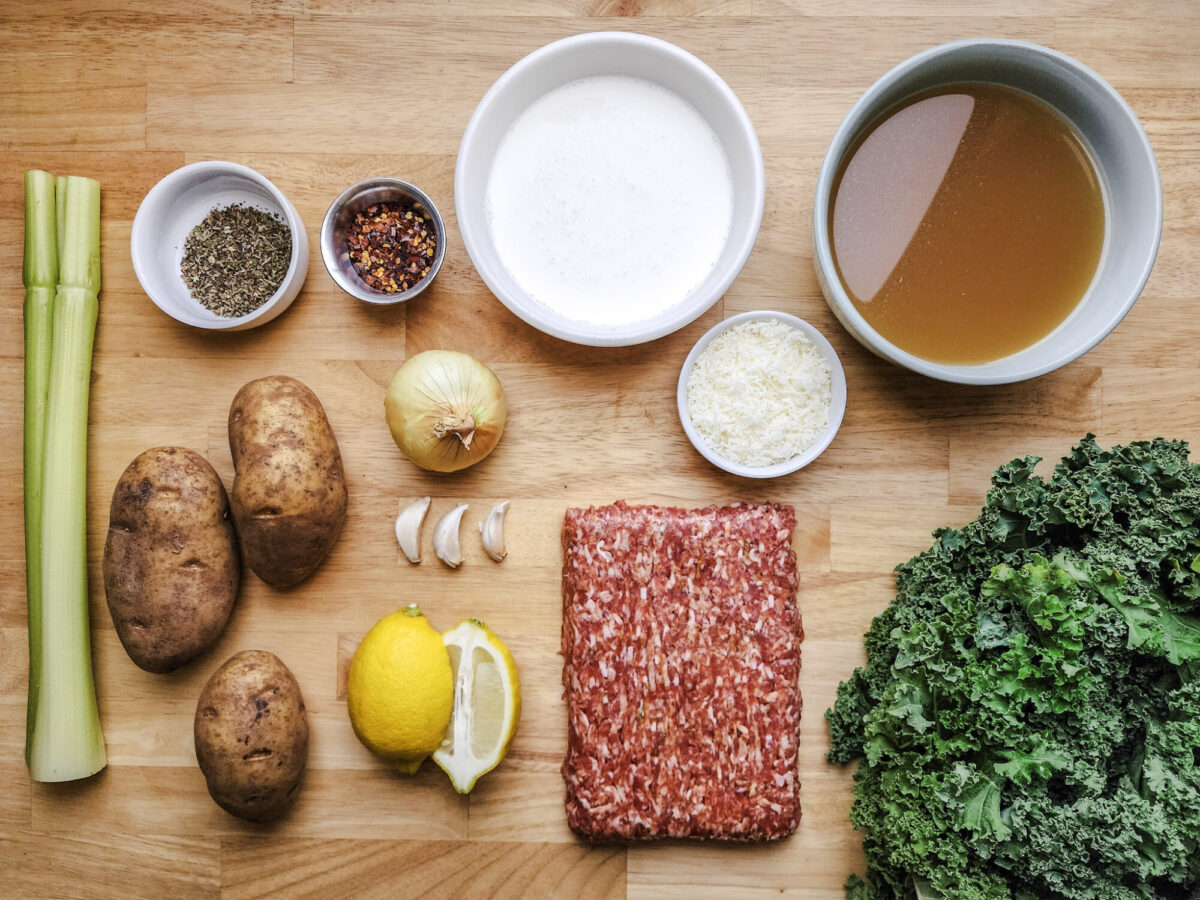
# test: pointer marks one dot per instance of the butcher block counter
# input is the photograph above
(317, 94)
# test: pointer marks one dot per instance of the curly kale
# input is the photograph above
(1028, 721)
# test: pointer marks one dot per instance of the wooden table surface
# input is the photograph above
(317, 94)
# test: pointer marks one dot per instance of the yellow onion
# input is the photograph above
(446, 410)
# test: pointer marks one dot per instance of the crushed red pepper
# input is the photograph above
(392, 247)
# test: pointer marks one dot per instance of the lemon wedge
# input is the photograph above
(487, 704)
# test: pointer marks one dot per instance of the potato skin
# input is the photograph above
(289, 493)
(251, 736)
(171, 564)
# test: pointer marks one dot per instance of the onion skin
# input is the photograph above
(446, 410)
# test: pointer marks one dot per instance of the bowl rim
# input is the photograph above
(162, 191)
(837, 408)
(584, 333)
(328, 257)
(835, 293)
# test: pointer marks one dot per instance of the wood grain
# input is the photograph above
(317, 94)
(50, 118)
(375, 868)
(138, 47)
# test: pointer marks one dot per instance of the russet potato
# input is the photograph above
(251, 736)
(289, 491)
(171, 564)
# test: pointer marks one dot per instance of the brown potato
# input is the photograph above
(171, 564)
(289, 493)
(252, 736)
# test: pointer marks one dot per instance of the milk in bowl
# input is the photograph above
(610, 199)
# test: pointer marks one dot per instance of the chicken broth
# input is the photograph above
(967, 222)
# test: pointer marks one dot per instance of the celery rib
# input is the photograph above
(66, 742)
(40, 275)
(60, 207)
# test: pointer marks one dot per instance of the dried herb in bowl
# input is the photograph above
(392, 246)
(236, 259)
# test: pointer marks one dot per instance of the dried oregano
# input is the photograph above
(235, 260)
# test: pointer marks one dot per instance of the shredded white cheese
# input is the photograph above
(760, 393)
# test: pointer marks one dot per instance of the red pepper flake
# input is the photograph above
(392, 246)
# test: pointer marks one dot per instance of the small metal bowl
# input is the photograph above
(336, 227)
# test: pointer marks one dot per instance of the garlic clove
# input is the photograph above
(492, 530)
(445, 537)
(408, 528)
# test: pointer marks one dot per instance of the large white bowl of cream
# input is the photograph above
(609, 188)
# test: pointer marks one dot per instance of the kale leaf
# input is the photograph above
(1028, 721)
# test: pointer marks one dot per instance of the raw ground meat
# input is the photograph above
(681, 654)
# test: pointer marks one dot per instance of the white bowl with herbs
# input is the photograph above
(217, 246)
(762, 394)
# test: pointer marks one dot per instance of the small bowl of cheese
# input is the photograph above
(762, 394)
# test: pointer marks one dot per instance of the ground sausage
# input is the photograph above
(681, 646)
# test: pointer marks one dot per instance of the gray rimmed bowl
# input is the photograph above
(1124, 160)
(340, 216)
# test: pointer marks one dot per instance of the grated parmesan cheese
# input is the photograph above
(760, 393)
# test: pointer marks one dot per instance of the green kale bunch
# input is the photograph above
(1029, 717)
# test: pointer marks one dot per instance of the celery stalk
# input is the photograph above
(40, 275)
(67, 743)
(60, 209)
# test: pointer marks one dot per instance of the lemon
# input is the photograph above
(400, 690)
(487, 704)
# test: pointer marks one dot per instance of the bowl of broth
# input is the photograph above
(987, 212)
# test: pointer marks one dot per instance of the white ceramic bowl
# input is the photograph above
(179, 203)
(583, 56)
(837, 409)
(1128, 174)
